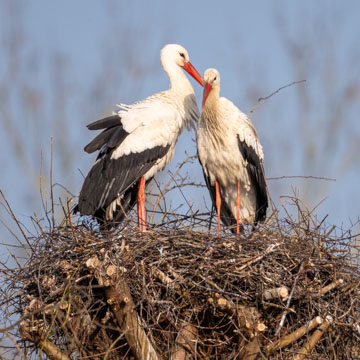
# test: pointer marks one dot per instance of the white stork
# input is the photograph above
(231, 157)
(137, 142)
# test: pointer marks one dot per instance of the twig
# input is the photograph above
(300, 177)
(121, 303)
(291, 338)
(51, 179)
(40, 339)
(16, 220)
(281, 323)
(330, 287)
(306, 349)
(269, 250)
(185, 343)
(15, 344)
(279, 292)
(160, 196)
(264, 99)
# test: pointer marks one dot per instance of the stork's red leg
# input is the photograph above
(238, 208)
(141, 205)
(218, 203)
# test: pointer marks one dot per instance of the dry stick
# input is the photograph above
(287, 213)
(315, 337)
(281, 323)
(70, 222)
(161, 276)
(247, 320)
(17, 347)
(41, 341)
(330, 287)
(16, 220)
(121, 303)
(275, 293)
(263, 99)
(51, 184)
(185, 343)
(269, 250)
(300, 177)
(291, 338)
(189, 157)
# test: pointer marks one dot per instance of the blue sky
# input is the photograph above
(245, 40)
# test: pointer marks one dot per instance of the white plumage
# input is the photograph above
(231, 155)
(138, 141)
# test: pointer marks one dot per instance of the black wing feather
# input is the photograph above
(105, 123)
(111, 137)
(110, 177)
(256, 174)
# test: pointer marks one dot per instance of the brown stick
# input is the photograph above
(248, 319)
(315, 337)
(280, 292)
(43, 344)
(185, 344)
(121, 303)
(330, 287)
(281, 323)
(269, 250)
(291, 338)
(51, 182)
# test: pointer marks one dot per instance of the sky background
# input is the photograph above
(65, 64)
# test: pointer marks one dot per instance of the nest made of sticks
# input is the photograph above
(284, 291)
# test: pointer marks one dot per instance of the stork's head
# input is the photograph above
(211, 80)
(176, 54)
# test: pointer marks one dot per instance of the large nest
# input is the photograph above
(285, 291)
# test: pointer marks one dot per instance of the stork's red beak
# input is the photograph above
(193, 72)
(207, 90)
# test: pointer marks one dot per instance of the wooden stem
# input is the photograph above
(185, 344)
(249, 320)
(121, 303)
(330, 287)
(315, 337)
(280, 292)
(38, 337)
(291, 338)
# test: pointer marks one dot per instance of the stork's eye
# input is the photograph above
(182, 55)
(214, 78)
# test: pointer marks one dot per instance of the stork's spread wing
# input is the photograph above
(113, 176)
(109, 178)
(256, 173)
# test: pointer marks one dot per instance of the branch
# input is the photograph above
(39, 338)
(264, 99)
(185, 343)
(330, 287)
(315, 337)
(300, 177)
(291, 338)
(119, 298)
(276, 293)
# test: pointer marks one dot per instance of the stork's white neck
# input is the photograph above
(211, 117)
(212, 104)
(179, 82)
